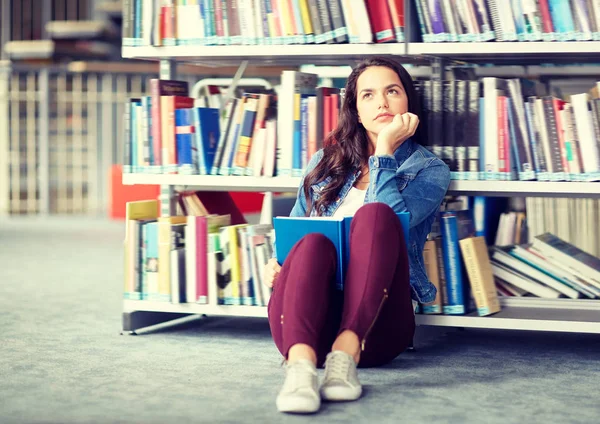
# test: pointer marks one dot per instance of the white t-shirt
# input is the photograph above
(352, 202)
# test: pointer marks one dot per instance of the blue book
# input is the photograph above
(184, 131)
(455, 226)
(289, 230)
(304, 130)
(562, 19)
(206, 137)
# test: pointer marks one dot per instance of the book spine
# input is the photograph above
(340, 30)
(127, 138)
(454, 278)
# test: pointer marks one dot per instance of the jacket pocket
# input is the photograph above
(403, 180)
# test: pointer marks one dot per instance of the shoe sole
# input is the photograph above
(340, 394)
(297, 407)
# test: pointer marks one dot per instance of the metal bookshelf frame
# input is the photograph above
(534, 314)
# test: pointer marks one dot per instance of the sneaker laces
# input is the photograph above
(337, 366)
(300, 374)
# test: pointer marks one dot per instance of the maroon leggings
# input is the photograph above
(306, 308)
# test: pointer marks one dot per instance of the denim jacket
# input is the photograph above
(414, 181)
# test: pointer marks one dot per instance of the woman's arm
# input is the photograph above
(420, 197)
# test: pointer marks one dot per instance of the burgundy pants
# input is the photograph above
(306, 308)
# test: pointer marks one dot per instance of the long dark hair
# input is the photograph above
(347, 147)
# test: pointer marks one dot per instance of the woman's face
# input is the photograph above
(379, 96)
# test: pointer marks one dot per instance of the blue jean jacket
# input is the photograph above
(414, 181)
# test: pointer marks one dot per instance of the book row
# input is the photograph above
(460, 264)
(508, 20)
(196, 258)
(261, 22)
(499, 129)
(259, 134)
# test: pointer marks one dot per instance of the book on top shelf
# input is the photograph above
(289, 230)
(261, 22)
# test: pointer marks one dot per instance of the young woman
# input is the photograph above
(371, 167)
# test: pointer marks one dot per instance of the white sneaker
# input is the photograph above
(300, 391)
(341, 380)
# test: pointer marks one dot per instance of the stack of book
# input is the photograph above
(508, 20)
(258, 134)
(261, 22)
(498, 129)
(194, 258)
(470, 276)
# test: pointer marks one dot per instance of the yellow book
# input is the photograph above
(306, 22)
(135, 211)
(285, 14)
(165, 226)
(481, 278)
(233, 296)
(432, 269)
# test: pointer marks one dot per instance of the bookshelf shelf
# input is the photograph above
(518, 53)
(217, 183)
(526, 188)
(318, 54)
(194, 308)
(290, 184)
(564, 315)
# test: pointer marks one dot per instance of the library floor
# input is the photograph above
(62, 359)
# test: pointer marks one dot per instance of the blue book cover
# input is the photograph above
(289, 230)
(455, 226)
(562, 19)
(150, 282)
(184, 131)
(207, 137)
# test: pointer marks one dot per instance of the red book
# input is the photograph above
(168, 105)
(503, 137)
(160, 88)
(546, 18)
(381, 21)
(559, 105)
(397, 13)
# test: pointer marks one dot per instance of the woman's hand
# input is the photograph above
(272, 269)
(402, 127)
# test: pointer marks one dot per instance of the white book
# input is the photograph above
(584, 270)
(557, 271)
(490, 109)
(514, 290)
(190, 260)
(531, 272)
(361, 17)
(523, 282)
(268, 169)
(351, 25)
(147, 20)
(256, 280)
(258, 152)
(585, 131)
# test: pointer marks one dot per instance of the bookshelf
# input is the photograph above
(533, 314)
(290, 184)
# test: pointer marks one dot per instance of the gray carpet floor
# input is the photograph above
(63, 360)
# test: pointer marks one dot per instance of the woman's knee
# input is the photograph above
(316, 242)
(373, 212)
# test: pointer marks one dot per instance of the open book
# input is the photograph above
(288, 230)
